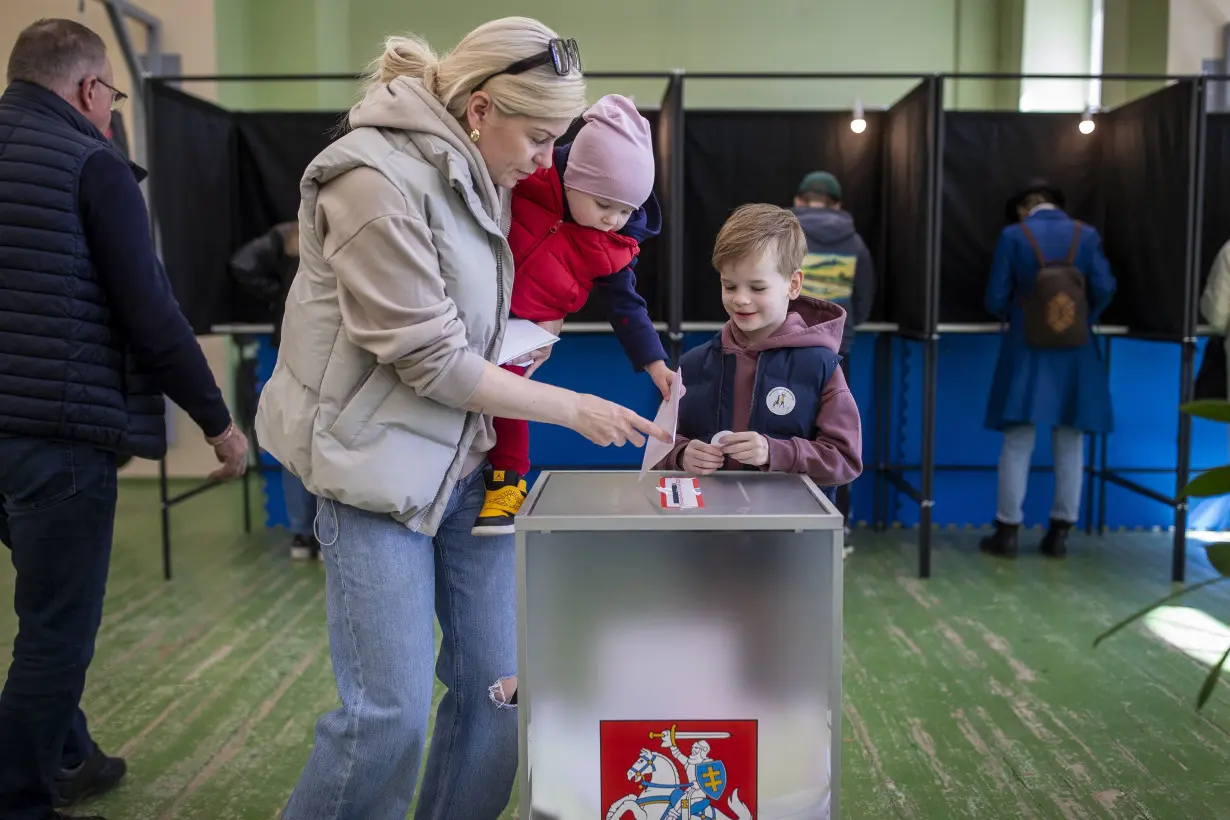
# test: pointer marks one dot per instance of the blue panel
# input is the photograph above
(1144, 384)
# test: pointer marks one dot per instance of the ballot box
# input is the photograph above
(679, 647)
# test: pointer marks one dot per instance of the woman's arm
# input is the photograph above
(395, 306)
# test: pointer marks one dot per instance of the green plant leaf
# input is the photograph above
(1211, 680)
(1135, 616)
(1219, 557)
(1209, 483)
(1212, 409)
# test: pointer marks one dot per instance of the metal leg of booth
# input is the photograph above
(1178, 567)
(1102, 449)
(930, 374)
(166, 518)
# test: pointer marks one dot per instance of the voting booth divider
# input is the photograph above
(926, 186)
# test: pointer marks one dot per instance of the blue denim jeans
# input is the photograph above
(1068, 450)
(300, 504)
(384, 583)
(57, 515)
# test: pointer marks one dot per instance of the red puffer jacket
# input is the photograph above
(557, 260)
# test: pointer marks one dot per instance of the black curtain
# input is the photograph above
(903, 294)
(192, 174)
(1215, 231)
(737, 157)
(274, 150)
(986, 157)
(1146, 169)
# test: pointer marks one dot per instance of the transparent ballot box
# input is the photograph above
(679, 647)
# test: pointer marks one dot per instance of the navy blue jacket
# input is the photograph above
(90, 334)
(1052, 387)
(838, 266)
(626, 309)
(706, 407)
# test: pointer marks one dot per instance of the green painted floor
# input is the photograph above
(972, 695)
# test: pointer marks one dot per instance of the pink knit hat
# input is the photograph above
(612, 155)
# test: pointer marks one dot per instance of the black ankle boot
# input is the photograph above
(1002, 542)
(1055, 542)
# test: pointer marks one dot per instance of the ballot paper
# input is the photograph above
(680, 493)
(521, 338)
(667, 419)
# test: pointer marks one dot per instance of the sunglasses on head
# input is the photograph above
(563, 55)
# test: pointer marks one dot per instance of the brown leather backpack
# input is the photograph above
(1056, 308)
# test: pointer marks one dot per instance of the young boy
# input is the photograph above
(771, 379)
(577, 228)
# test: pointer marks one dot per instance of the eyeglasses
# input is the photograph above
(563, 55)
(118, 98)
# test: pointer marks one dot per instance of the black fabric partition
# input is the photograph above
(904, 293)
(1216, 218)
(1146, 185)
(987, 155)
(192, 174)
(737, 157)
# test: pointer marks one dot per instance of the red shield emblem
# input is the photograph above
(661, 769)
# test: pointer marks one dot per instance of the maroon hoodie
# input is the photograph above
(835, 456)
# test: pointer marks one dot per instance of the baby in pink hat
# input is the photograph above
(577, 229)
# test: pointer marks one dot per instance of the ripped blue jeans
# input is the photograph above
(384, 583)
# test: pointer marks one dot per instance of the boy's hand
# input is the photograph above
(747, 448)
(663, 377)
(701, 458)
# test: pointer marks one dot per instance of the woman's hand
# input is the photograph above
(747, 448)
(701, 458)
(663, 377)
(606, 423)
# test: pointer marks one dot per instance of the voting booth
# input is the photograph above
(679, 647)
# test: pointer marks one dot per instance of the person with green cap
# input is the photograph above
(837, 267)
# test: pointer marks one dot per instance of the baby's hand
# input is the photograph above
(663, 377)
(701, 458)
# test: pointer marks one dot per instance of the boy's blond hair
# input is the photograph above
(753, 230)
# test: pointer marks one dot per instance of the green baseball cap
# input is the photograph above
(821, 182)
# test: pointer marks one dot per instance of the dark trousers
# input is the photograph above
(57, 514)
(843, 492)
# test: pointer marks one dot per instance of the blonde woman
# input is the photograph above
(382, 402)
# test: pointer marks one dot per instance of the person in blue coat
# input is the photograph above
(1064, 389)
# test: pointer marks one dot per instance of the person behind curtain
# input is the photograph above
(382, 402)
(264, 268)
(1065, 390)
(837, 268)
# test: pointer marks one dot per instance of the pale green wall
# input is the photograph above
(1137, 39)
(922, 36)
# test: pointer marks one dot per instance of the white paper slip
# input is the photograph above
(681, 493)
(667, 419)
(521, 338)
(716, 441)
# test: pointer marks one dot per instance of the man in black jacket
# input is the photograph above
(837, 266)
(90, 339)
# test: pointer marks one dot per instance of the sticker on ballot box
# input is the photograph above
(694, 769)
(681, 493)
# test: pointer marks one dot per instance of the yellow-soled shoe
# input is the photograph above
(505, 494)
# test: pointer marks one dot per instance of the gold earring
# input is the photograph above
(474, 135)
